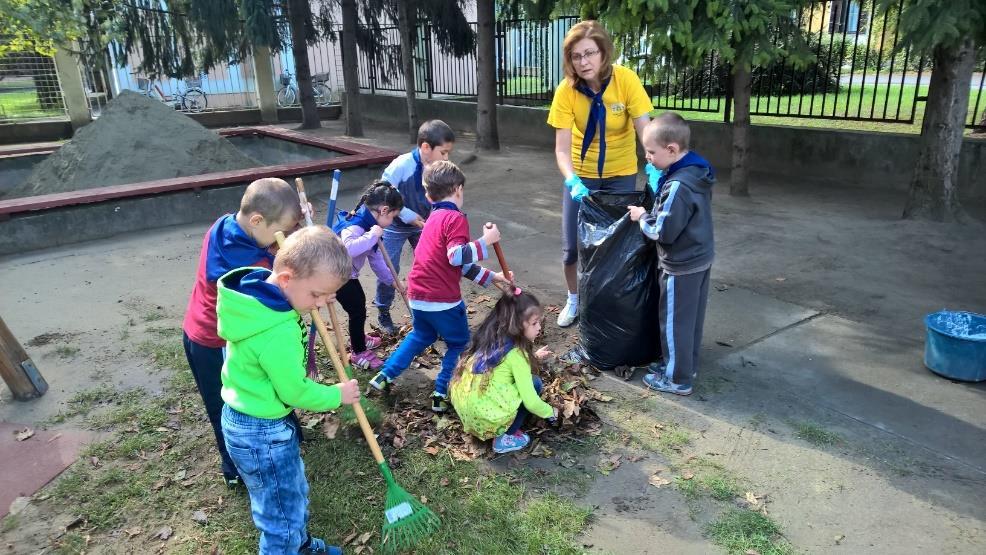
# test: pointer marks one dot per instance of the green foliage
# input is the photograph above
(925, 24)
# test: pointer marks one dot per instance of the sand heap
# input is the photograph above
(135, 139)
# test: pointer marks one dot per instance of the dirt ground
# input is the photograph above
(812, 397)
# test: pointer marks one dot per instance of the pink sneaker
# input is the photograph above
(373, 341)
(367, 359)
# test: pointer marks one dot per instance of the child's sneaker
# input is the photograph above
(386, 322)
(511, 442)
(657, 367)
(373, 341)
(380, 382)
(439, 403)
(660, 382)
(318, 546)
(233, 482)
(367, 360)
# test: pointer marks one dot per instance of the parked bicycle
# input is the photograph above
(191, 99)
(288, 95)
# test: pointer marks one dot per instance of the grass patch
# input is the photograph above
(816, 435)
(166, 332)
(25, 104)
(83, 402)
(66, 351)
(165, 354)
(739, 531)
(9, 523)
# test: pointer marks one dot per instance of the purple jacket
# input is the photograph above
(360, 243)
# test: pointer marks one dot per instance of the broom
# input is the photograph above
(393, 272)
(504, 269)
(312, 366)
(406, 520)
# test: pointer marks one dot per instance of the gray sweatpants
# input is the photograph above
(682, 313)
(570, 211)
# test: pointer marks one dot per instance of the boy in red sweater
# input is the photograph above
(443, 256)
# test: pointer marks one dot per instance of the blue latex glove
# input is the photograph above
(653, 176)
(573, 181)
(576, 188)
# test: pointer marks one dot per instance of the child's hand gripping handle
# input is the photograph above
(305, 207)
(364, 424)
(393, 272)
(504, 269)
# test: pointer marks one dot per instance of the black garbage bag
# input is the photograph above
(619, 289)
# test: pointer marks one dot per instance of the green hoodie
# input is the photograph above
(264, 374)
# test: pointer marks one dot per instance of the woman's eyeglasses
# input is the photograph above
(588, 54)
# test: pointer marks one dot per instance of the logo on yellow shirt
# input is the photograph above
(617, 107)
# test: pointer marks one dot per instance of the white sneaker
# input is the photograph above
(567, 315)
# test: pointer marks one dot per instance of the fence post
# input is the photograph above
(500, 47)
(429, 72)
(263, 70)
(74, 95)
(17, 369)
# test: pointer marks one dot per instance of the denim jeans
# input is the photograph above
(268, 455)
(451, 325)
(523, 412)
(393, 243)
(207, 365)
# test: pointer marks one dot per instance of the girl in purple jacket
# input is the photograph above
(360, 232)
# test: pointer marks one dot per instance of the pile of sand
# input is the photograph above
(135, 139)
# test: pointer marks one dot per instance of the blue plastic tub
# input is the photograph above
(955, 346)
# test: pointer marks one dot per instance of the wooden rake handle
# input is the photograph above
(364, 424)
(393, 272)
(503, 264)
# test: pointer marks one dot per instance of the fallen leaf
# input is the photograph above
(541, 450)
(780, 279)
(330, 428)
(567, 461)
(359, 549)
(636, 458)
(24, 434)
(657, 481)
(363, 538)
(164, 533)
(160, 483)
(608, 464)
(752, 499)
(180, 475)
(424, 499)
(752, 552)
(687, 475)
(433, 450)
(839, 538)
(398, 442)
(94, 461)
(444, 481)
(200, 517)
(350, 538)
(133, 532)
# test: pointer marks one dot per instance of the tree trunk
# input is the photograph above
(935, 178)
(406, 22)
(741, 132)
(300, 17)
(350, 74)
(487, 136)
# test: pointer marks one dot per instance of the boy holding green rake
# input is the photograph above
(264, 379)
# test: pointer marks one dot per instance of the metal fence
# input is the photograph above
(29, 87)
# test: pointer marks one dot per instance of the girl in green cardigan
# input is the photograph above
(495, 385)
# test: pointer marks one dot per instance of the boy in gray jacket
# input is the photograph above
(681, 224)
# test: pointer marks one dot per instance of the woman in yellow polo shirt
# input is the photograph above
(598, 112)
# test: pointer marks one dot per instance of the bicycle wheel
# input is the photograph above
(323, 94)
(194, 100)
(286, 97)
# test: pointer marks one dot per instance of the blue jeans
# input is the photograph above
(451, 325)
(393, 243)
(268, 455)
(523, 412)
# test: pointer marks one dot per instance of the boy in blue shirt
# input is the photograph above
(681, 223)
(435, 142)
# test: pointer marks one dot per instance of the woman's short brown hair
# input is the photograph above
(587, 30)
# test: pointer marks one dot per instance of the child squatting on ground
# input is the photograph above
(495, 385)
(435, 142)
(360, 232)
(443, 256)
(681, 224)
(264, 379)
(236, 240)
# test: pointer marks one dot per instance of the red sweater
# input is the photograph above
(444, 255)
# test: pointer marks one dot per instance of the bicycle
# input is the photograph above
(287, 95)
(192, 99)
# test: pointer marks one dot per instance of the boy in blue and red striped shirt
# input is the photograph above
(443, 256)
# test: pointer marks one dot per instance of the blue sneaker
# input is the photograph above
(508, 443)
(316, 546)
(660, 382)
(657, 367)
(380, 382)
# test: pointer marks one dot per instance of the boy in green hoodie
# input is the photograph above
(264, 379)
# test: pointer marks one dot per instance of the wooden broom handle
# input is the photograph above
(393, 272)
(300, 185)
(364, 424)
(503, 263)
